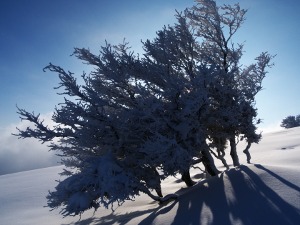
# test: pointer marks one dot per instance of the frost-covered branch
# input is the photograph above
(40, 131)
(135, 119)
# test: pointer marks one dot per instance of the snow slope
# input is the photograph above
(266, 192)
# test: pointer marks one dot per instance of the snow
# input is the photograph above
(264, 192)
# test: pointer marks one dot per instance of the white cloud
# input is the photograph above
(24, 154)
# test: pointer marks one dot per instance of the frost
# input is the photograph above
(134, 115)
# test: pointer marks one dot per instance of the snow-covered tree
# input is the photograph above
(233, 93)
(137, 119)
(290, 122)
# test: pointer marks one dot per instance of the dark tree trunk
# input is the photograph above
(246, 151)
(233, 153)
(208, 163)
(221, 155)
(158, 188)
(158, 192)
(186, 177)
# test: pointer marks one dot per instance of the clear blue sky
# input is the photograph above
(36, 32)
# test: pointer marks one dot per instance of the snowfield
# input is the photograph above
(266, 192)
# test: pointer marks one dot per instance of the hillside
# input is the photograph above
(264, 192)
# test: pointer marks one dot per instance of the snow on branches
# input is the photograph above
(136, 120)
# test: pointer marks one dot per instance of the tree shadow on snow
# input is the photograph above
(281, 179)
(123, 219)
(249, 201)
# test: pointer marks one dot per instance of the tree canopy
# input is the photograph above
(290, 122)
(137, 119)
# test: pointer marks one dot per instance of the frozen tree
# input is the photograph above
(298, 119)
(137, 119)
(290, 122)
(102, 134)
(173, 57)
(233, 103)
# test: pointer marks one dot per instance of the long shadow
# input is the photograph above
(123, 219)
(205, 205)
(157, 212)
(190, 205)
(249, 201)
(261, 205)
(284, 181)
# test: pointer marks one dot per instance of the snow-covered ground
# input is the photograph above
(266, 192)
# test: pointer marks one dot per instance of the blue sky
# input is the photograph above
(36, 32)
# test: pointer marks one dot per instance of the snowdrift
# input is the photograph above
(264, 192)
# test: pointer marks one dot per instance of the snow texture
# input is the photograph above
(265, 192)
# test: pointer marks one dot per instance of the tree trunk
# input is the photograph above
(233, 153)
(158, 198)
(246, 151)
(220, 156)
(158, 188)
(208, 163)
(186, 177)
(158, 192)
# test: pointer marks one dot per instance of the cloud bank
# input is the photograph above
(23, 154)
